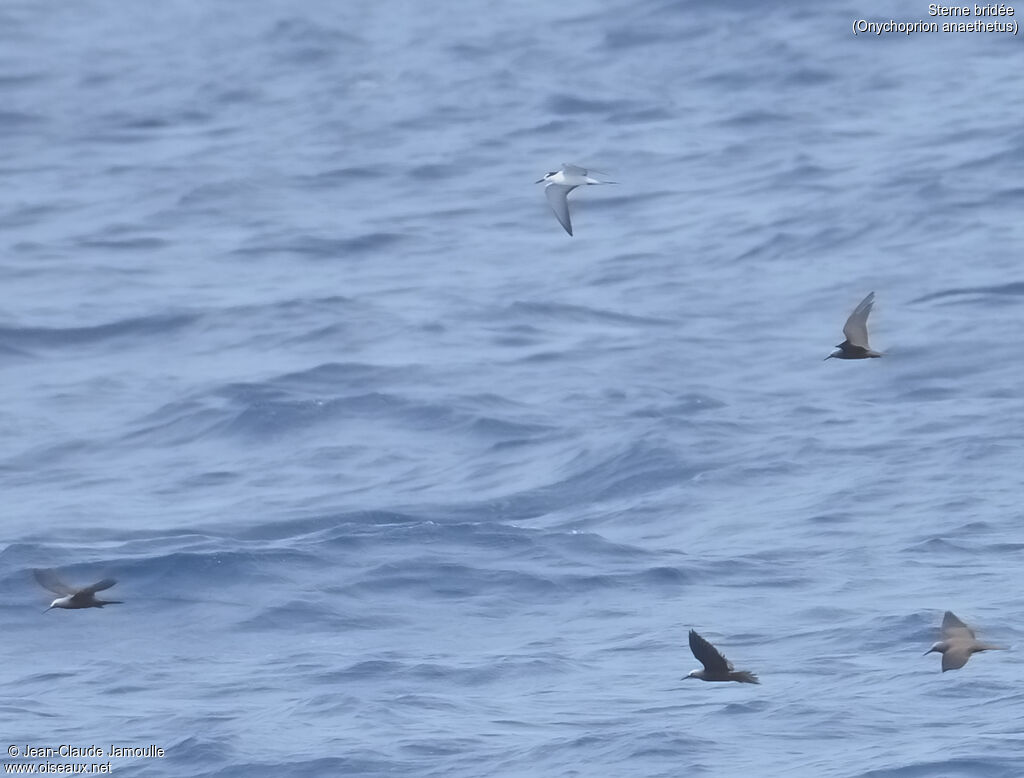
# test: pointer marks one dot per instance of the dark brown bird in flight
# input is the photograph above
(74, 598)
(716, 666)
(958, 643)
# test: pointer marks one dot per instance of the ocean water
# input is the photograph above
(397, 478)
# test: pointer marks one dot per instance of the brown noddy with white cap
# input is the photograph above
(856, 331)
(958, 643)
(716, 666)
(74, 598)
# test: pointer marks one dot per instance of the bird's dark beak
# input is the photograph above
(928, 652)
(48, 609)
(828, 357)
(538, 181)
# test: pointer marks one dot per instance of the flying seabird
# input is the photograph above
(716, 666)
(856, 331)
(958, 643)
(74, 598)
(559, 184)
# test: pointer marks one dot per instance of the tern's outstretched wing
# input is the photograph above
(49, 580)
(557, 194)
(953, 628)
(955, 657)
(856, 327)
(106, 583)
(708, 655)
(573, 170)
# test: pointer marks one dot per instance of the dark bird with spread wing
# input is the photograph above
(716, 666)
(74, 598)
(958, 643)
(856, 331)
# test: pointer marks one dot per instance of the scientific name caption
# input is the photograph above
(30, 759)
(983, 18)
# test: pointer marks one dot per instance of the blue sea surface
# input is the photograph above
(397, 478)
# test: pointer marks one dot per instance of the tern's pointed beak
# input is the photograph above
(540, 180)
(929, 651)
(828, 357)
(48, 609)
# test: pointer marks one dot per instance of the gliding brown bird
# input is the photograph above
(74, 598)
(958, 643)
(716, 666)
